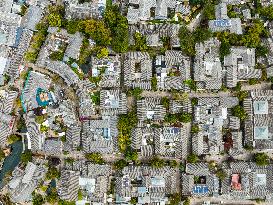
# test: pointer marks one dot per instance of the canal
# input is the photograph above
(12, 160)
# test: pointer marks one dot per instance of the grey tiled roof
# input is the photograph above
(24, 182)
(207, 65)
(240, 65)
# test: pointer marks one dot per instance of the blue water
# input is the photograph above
(52, 184)
(38, 99)
(12, 160)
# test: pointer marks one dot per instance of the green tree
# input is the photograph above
(171, 118)
(208, 11)
(63, 202)
(191, 83)
(195, 129)
(118, 25)
(196, 2)
(80, 195)
(52, 197)
(55, 20)
(248, 147)
(224, 50)
(238, 111)
(63, 138)
(266, 12)
(157, 162)
(2, 155)
(140, 42)
(221, 174)
(57, 55)
(187, 41)
(185, 117)
(53, 173)
(13, 138)
(261, 51)
(136, 92)
(192, 158)
(125, 125)
(72, 26)
(253, 81)
(241, 95)
(261, 159)
(97, 30)
(154, 83)
(133, 200)
(194, 101)
(120, 164)
(187, 201)
(31, 56)
(95, 97)
(252, 37)
(39, 119)
(165, 101)
(131, 155)
(69, 160)
(238, 88)
(95, 158)
(173, 163)
(43, 128)
(102, 53)
(201, 35)
(23, 10)
(175, 199)
(26, 156)
(37, 199)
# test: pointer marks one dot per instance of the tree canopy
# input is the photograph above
(238, 111)
(95, 158)
(52, 173)
(261, 159)
(118, 25)
(97, 30)
(192, 158)
(26, 156)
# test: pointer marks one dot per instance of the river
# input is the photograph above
(12, 160)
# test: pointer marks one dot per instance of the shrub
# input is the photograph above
(192, 158)
(195, 129)
(261, 159)
(238, 111)
(95, 158)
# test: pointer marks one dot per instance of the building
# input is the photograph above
(246, 180)
(199, 181)
(149, 185)
(93, 181)
(223, 22)
(24, 182)
(150, 109)
(73, 136)
(100, 135)
(138, 70)
(109, 69)
(207, 68)
(168, 142)
(7, 99)
(144, 10)
(258, 124)
(75, 9)
(211, 115)
(155, 33)
(113, 102)
(36, 91)
(240, 66)
(68, 185)
(171, 70)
